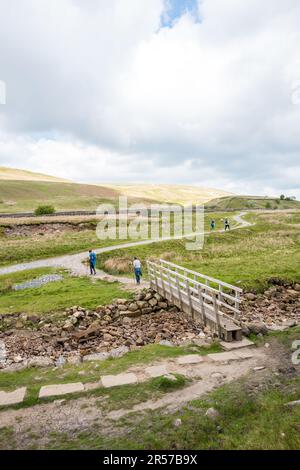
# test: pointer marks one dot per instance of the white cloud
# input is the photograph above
(97, 92)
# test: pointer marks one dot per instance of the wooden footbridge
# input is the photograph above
(215, 303)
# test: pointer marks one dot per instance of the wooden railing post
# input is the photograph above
(179, 291)
(188, 291)
(237, 305)
(216, 310)
(162, 281)
(201, 305)
(171, 290)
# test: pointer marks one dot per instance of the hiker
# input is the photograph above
(92, 260)
(137, 265)
(226, 223)
(212, 224)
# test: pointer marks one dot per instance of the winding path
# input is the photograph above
(74, 263)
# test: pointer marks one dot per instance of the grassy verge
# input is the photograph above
(20, 249)
(57, 295)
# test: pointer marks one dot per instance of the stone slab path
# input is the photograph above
(192, 365)
(74, 263)
(116, 380)
(60, 389)
(12, 398)
(229, 346)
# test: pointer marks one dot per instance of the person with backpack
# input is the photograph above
(137, 265)
(92, 261)
(226, 224)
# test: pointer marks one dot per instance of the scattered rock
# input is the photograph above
(93, 334)
(212, 414)
(292, 403)
(177, 422)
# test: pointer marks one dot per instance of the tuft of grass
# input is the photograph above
(168, 384)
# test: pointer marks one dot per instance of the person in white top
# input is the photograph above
(137, 265)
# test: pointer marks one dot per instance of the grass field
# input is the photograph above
(247, 257)
(55, 296)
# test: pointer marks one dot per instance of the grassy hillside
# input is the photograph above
(18, 196)
(170, 193)
(24, 175)
(250, 202)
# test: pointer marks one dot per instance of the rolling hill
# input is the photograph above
(25, 175)
(23, 191)
(170, 193)
(250, 202)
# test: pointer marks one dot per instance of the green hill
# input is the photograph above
(25, 196)
(250, 202)
(170, 193)
(24, 191)
(25, 175)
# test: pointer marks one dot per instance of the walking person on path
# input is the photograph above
(212, 224)
(226, 224)
(137, 265)
(92, 260)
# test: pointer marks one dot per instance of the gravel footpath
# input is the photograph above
(74, 263)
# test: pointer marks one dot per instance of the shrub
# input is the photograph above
(268, 205)
(44, 210)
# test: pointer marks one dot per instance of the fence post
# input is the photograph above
(179, 291)
(171, 290)
(188, 290)
(162, 281)
(201, 305)
(216, 309)
(237, 305)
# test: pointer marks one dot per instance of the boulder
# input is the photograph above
(257, 328)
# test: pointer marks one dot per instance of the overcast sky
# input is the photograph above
(156, 91)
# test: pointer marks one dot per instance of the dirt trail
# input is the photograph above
(82, 413)
(74, 263)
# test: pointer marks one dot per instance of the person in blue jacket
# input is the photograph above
(92, 260)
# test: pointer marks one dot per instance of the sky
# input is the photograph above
(179, 91)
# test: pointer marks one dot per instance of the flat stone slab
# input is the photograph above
(229, 346)
(156, 371)
(2, 352)
(12, 398)
(244, 354)
(120, 379)
(38, 282)
(189, 359)
(223, 357)
(61, 389)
